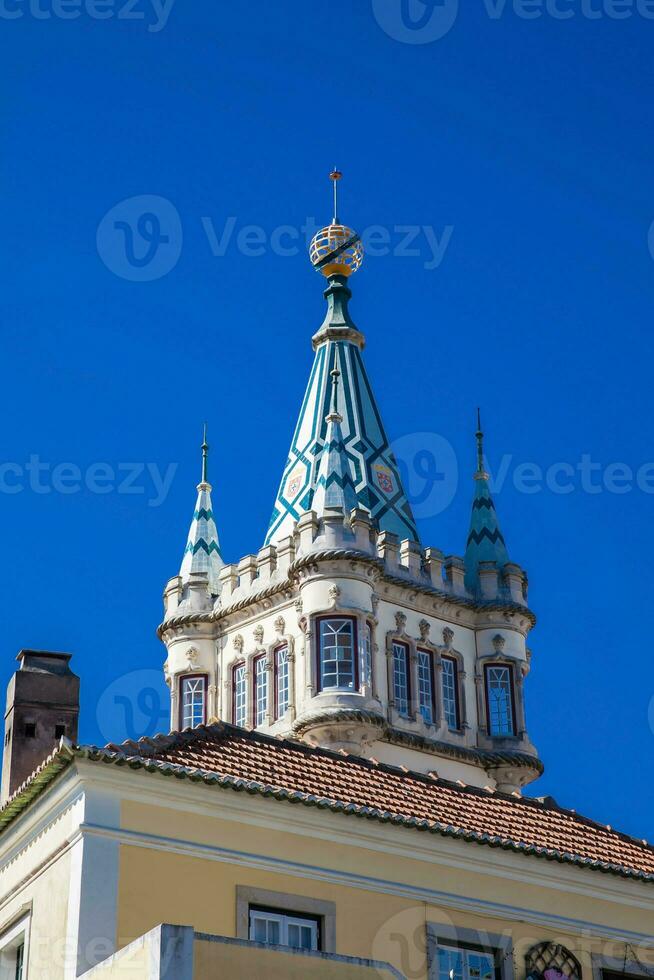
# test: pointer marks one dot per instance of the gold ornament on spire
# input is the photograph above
(336, 250)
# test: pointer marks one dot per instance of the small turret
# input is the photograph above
(485, 540)
(202, 553)
(334, 485)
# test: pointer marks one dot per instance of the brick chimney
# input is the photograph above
(42, 705)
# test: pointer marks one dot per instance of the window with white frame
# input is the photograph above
(499, 699)
(283, 929)
(459, 963)
(193, 694)
(337, 660)
(282, 681)
(13, 952)
(426, 686)
(401, 687)
(239, 695)
(450, 688)
(260, 691)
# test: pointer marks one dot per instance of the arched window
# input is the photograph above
(282, 681)
(239, 695)
(426, 686)
(450, 688)
(401, 681)
(499, 699)
(192, 700)
(260, 699)
(337, 667)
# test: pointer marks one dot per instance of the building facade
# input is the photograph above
(341, 791)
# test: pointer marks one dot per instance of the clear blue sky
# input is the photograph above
(529, 139)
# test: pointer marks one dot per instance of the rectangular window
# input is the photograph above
(337, 644)
(401, 688)
(239, 696)
(282, 681)
(280, 929)
(193, 701)
(499, 699)
(426, 686)
(260, 691)
(465, 964)
(20, 962)
(450, 684)
(13, 952)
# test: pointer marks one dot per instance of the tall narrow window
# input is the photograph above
(401, 688)
(499, 699)
(337, 658)
(450, 682)
(20, 962)
(239, 696)
(426, 686)
(193, 698)
(367, 653)
(282, 681)
(260, 691)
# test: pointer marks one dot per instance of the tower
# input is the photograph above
(344, 630)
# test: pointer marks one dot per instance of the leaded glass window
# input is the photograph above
(193, 697)
(239, 696)
(337, 655)
(499, 695)
(450, 686)
(426, 686)
(282, 682)
(401, 678)
(260, 691)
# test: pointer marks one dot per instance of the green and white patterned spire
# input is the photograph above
(334, 484)
(202, 552)
(485, 540)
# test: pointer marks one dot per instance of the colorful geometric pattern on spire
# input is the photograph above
(485, 540)
(334, 483)
(202, 553)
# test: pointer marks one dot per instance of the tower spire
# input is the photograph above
(335, 176)
(485, 539)
(334, 483)
(202, 553)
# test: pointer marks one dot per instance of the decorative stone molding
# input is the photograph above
(258, 635)
(499, 642)
(448, 637)
(192, 656)
(334, 595)
(425, 628)
(280, 625)
(299, 606)
(400, 622)
(238, 643)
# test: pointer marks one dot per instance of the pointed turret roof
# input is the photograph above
(334, 483)
(336, 252)
(485, 540)
(202, 552)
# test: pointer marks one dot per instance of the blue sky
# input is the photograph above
(517, 151)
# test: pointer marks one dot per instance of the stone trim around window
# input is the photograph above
(300, 904)
(630, 968)
(454, 935)
(13, 936)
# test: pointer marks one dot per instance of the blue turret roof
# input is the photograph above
(202, 553)
(485, 539)
(334, 483)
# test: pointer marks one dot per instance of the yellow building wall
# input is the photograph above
(162, 886)
(213, 960)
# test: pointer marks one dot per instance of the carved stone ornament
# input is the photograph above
(238, 643)
(400, 621)
(192, 657)
(299, 606)
(424, 628)
(448, 636)
(258, 634)
(499, 642)
(375, 604)
(334, 593)
(280, 625)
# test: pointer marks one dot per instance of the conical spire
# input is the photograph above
(202, 552)
(336, 252)
(485, 540)
(334, 483)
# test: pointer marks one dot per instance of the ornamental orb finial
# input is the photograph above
(336, 250)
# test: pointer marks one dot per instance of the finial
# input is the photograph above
(334, 414)
(479, 435)
(336, 250)
(335, 176)
(205, 454)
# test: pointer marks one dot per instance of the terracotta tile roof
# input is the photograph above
(233, 758)
(290, 770)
